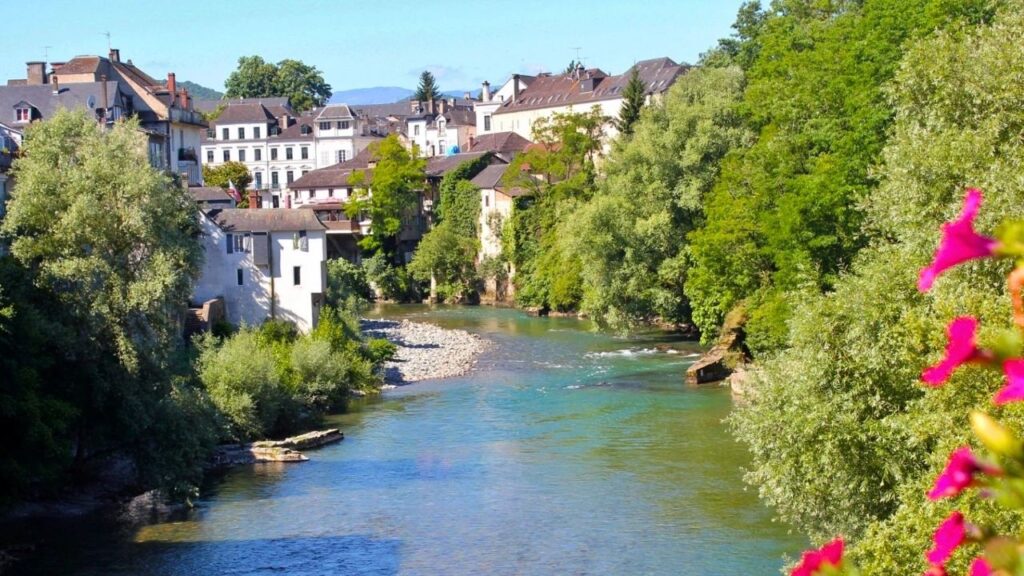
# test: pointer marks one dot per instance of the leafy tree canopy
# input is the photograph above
(302, 84)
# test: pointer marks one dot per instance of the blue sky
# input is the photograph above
(369, 43)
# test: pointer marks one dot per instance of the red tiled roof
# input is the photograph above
(500, 143)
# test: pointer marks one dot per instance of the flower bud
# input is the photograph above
(995, 436)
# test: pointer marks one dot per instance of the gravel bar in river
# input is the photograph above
(425, 351)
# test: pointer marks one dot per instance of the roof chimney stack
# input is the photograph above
(254, 200)
(172, 86)
(56, 86)
(515, 87)
(115, 55)
(485, 93)
(36, 73)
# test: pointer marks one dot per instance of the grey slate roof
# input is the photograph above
(264, 219)
(438, 166)
(209, 194)
(334, 112)
(211, 105)
(41, 97)
(397, 109)
(499, 143)
(490, 176)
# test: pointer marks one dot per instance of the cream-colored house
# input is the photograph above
(579, 91)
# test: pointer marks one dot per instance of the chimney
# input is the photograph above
(485, 93)
(284, 122)
(515, 87)
(442, 106)
(414, 106)
(254, 200)
(36, 73)
(184, 98)
(115, 55)
(430, 106)
(56, 86)
(172, 86)
(467, 96)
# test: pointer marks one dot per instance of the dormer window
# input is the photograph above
(23, 114)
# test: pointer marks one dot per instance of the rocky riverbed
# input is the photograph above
(425, 351)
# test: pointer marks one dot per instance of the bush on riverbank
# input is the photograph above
(271, 381)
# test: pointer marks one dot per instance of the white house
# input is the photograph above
(579, 91)
(265, 264)
(490, 101)
(441, 126)
(279, 146)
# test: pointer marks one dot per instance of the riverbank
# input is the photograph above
(425, 351)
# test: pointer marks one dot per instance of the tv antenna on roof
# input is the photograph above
(46, 53)
(107, 34)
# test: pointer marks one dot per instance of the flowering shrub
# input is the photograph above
(997, 474)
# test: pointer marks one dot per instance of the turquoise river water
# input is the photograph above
(566, 452)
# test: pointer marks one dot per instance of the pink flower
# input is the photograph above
(935, 571)
(1014, 389)
(959, 474)
(830, 554)
(960, 243)
(960, 349)
(980, 568)
(949, 536)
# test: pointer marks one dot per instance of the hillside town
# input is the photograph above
(268, 260)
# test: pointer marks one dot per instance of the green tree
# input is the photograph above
(427, 89)
(302, 84)
(253, 78)
(842, 436)
(448, 257)
(634, 96)
(234, 172)
(397, 180)
(632, 233)
(111, 244)
(572, 66)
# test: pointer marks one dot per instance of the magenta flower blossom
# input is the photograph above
(959, 474)
(949, 536)
(980, 567)
(960, 242)
(830, 554)
(1014, 389)
(960, 349)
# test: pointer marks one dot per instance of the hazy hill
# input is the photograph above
(201, 92)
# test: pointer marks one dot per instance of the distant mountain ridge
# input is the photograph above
(386, 95)
(201, 92)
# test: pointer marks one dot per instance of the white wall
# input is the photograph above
(492, 202)
(251, 303)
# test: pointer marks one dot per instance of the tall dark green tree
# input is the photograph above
(634, 96)
(302, 84)
(427, 90)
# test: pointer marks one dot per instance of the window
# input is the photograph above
(224, 134)
(258, 154)
(273, 153)
(343, 125)
(209, 156)
(487, 200)
(211, 133)
(440, 147)
(238, 275)
(227, 155)
(289, 177)
(487, 123)
(416, 130)
(241, 242)
(304, 172)
(305, 153)
(256, 132)
(288, 153)
(241, 133)
(259, 179)
(273, 180)
(297, 275)
(241, 155)
(330, 192)
(275, 201)
(325, 125)
(310, 194)
(231, 243)
(342, 155)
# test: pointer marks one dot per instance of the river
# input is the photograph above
(566, 452)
